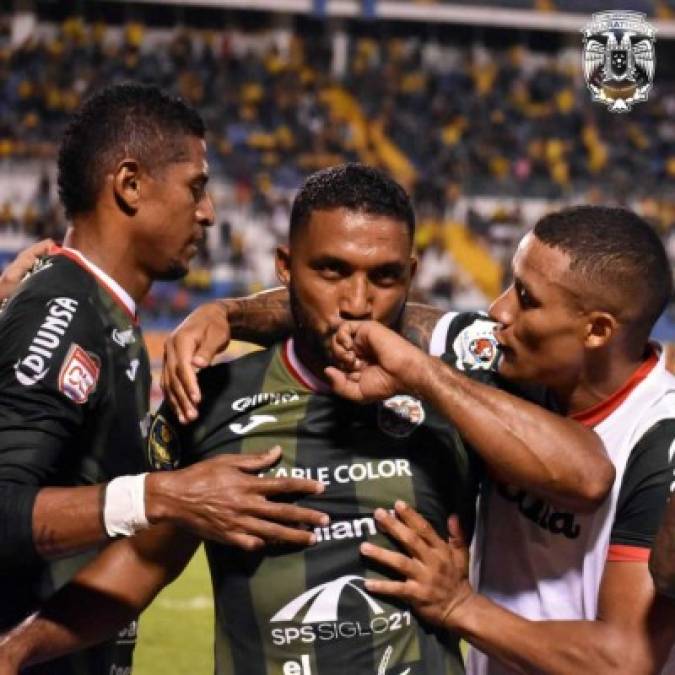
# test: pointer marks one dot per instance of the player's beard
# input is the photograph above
(174, 271)
(315, 346)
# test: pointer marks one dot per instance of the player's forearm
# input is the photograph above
(113, 589)
(553, 647)
(262, 318)
(68, 520)
(662, 560)
(419, 322)
(64, 626)
(521, 443)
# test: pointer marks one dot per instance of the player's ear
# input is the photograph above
(413, 267)
(599, 329)
(127, 185)
(283, 265)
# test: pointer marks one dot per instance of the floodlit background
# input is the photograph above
(478, 108)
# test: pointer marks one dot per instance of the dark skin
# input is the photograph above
(263, 318)
(23, 263)
(550, 335)
(584, 355)
(482, 414)
(347, 267)
(126, 235)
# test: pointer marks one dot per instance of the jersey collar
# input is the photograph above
(592, 416)
(299, 371)
(116, 291)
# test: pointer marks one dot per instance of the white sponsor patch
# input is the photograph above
(32, 367)
(321, 602)
(346, 473)
(123, 337)
(265, 397)
(131, 370)
(79, 374)
(314, 616)
(253, 422)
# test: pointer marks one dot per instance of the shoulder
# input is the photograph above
(58, 288)
(655, 447)
(240, 373)
(645, 487)
(51, 334)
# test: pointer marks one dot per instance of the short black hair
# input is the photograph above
(127, 119)
(355, 187)
(615, 251)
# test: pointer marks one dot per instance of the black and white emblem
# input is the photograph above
(619, 58)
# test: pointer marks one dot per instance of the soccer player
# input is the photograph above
(304, 611)
(618, 272)
(556, 591)
(74, 373)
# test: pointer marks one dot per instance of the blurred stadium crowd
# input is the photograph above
(485, 137)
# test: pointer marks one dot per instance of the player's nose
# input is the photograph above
(356, 302)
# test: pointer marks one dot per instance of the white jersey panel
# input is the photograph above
(547, 563)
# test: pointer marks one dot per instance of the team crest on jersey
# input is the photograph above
(79, 374)
(399, 416)
(476, 347)
(163, 445)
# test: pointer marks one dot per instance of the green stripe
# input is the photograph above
(282, 576)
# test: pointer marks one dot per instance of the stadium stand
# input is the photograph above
(486, 130)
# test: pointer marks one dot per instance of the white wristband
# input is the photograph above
(124, 506)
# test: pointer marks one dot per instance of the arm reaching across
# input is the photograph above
(632, 634)
(262, 318)
(521, 442)
(220, 498)
(114, 588)
(21, 265)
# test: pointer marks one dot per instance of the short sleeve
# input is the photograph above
(644, 493)
(51, 364)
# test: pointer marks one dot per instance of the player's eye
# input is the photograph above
(198, 190)
(387, 276)
(330, 271)
(524, 298)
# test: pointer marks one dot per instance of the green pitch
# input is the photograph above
(176, 631)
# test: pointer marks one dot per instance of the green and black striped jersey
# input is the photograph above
(287, 611)
(74, 395)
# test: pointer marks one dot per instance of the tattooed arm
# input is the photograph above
(419, 322)
(263, 318)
